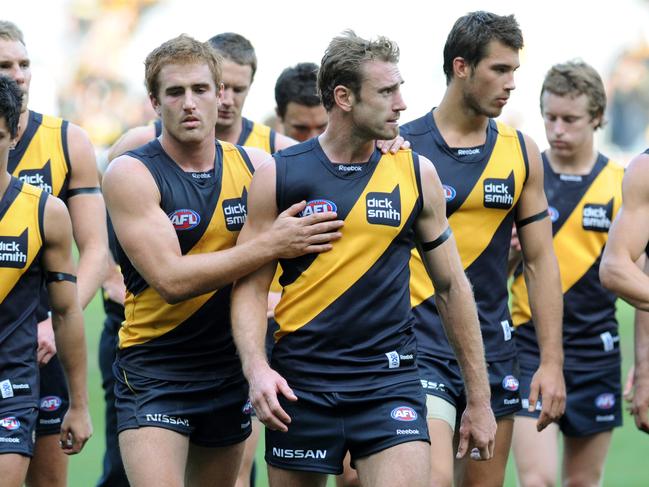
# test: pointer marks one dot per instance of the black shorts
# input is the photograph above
(593, 402)
(325, 425)
(54, 398)
(210, 413)
(442, 378)
(17, 429)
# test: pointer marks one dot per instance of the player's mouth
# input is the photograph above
(190, 122)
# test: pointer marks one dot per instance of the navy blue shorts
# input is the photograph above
(325, 425)
(54, 399)
(17, 429)
(442, 378)
(211, 413)
(593, 403)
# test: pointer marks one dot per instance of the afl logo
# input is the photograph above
(510, 383)
(50, 403)
(184, 219)
(449, 192)
(247, 407)
(318, 206)
(554, 214)
(605, 401)
(10, 423)
(404, 413)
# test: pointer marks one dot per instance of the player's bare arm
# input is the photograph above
(249, 302)
(131, 139)
(628, 238)
(541, 272)
(88, 214)
(150, 241)
(67, 319)
(456, 306)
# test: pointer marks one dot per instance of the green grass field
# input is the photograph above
(625, 466)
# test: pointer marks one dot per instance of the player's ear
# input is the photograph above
(461, 68)
(344, 97)
(154, 103)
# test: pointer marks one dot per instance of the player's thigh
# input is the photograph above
(584, 457)
(154, 456)
(49, 465)
(280, 477)
(490, 472)
(213, 467)
(441, 440)
(402, 464)
(535, 452)
(249, 450)
(349, 477)
(14, 468)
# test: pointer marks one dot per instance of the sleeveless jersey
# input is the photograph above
(344, 316)
(582, 209)
(190, 339)
(254, 134)
(482, 186)
(21, 278)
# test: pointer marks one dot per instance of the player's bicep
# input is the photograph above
(262, 204)
(83, 164)
(532, 202)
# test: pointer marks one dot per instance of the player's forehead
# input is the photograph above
(380, 74)
(569, 104)
(12, 50)
(236, 74)
(184, 74)
(497, 52)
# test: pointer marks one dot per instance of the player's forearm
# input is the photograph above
(458, 312)
(641, 341)
(622, 277)
(92, 271)
(546, 303)
(71, 347)
(249, 325)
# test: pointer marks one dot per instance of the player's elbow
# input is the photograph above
(610, 275)
(173, 291)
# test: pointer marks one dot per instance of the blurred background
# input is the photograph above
(87, 67)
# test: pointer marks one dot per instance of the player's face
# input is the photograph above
(187, 101)
(236, 83)
(302, 122)
(15, 64)
(491, 81)
(568, 125)
(6, 142)
(376, 112)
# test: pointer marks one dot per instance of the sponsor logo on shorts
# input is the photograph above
(245, 425)
(605, 418)
(10, 423)
(6, 390)
(13, 251)
(510, 383)
(404, 413)
(608, 341)
(526, 403)
(291, 453)
(50, 403)
(605, 400)
(9, 440)
(247, 408)
(554, 213)
(235, 212)
(515, 400)
(165, 418)
(435, 386)
(41, 178)
(507, 330)
(449, 192)
(184, 219)
(384, 208)
(408, 432)
(318, 206)
(393, 359)
(49, 421)
(499, 193)
(597, 217)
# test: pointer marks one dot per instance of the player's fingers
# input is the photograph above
(286, 391)
(463, 444)
(321, 223)
(318, 249)
(295, 209)
(533, 397)
(323, 238)
(280, 417)
(543, 421)
(628, 386)
(265, 416)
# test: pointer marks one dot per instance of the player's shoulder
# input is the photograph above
(297, 149)
(418, 126)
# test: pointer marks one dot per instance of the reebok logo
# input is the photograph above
(13, 251)
(235, 211)
(499, 193)
(384, 208)
(597, 218)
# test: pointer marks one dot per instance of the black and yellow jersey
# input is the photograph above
(257, 135)
(191, 339)
(344, 316)
(21, 278)
(41, 155)
(482, 186)
(582, 209)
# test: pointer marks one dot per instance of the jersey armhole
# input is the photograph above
(521, 141)
(280, 182)
(416, 167)
(271, 140)
(42, 200)
(246, 158)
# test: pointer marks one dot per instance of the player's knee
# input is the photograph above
(582, 479)
(536, 479)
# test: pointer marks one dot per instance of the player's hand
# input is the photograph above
(628, 385)
(113, 286)
(294, 236)
(640, 404)
(265, 385)
(477, 432)
(46, 344)
(393, 145)
(76, 429)
(549, 384)
(515, 243)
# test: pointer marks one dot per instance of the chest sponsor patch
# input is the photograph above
(499, 193)
(597, 218)
(235, 212)
(41, 178)
(384, 208)
(13, 251)
(184, 219)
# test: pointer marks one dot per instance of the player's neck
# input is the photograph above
(341, 145)
(23, 121)
(5, 177)
(580, 163)
(230, 133)
(459, 125)
(196, 157)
